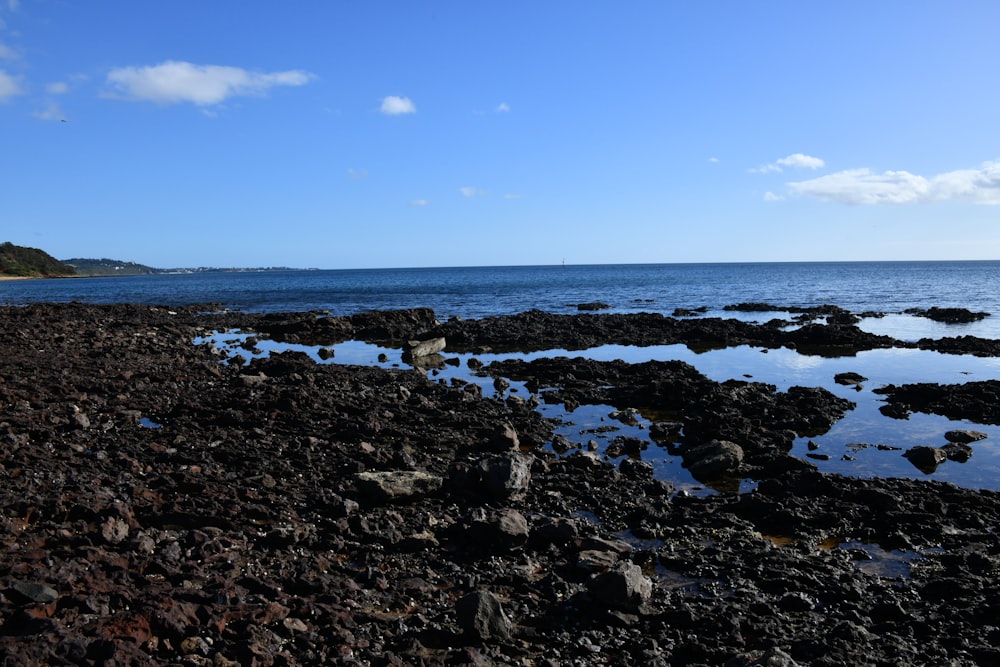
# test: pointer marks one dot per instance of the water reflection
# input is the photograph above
(865, 443)
(910, 328)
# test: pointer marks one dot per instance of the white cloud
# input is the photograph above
(7, 53)
(357, 174)
(801, 161)
(395, 106)
(57, 88)
(863, 186)
(770, 196)
(512, 196)
(469, 191)
(173, 82)
(52, 111)
(419, 202)
(713, 160)
(14, 5)
(980, 186)
(795, 160)
(503, 107)
(8, 86)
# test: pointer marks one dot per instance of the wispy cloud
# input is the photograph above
(357, 174)
(469, 191)
(396, 106)
(57, 88)
(770, 196)
(419, 202)
(7, 53)
(713, 160)
(9, 87)
(175, 82)
(503, 107)
(863, 186)
(793, 161)
(512, 195)
(52, 111)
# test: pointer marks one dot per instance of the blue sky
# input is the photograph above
(383, 134)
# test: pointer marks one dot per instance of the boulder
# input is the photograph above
(926, 458)
(423, 348)
(636, 469)
(964, 436)
(481, 615)
(504, 438)
(959, 452)
(713, 459)
(494, 476)
(595, 560)
(33, 591)
(555, 531)
(505, 475)
(623, 587)
(506, 529)
(396, 485)
(849, 379)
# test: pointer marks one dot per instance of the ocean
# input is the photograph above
(864, 443)
(475, 292)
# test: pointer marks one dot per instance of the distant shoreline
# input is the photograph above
(5, 277)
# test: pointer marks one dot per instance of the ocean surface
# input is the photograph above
(474, 292)
(864, 443)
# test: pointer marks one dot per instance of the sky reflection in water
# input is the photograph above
(850, 445)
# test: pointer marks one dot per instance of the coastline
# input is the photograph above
(161, 498)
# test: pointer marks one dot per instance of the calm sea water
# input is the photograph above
(474, 292)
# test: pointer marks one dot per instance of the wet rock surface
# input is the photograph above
(976, 401)
(948, 315)
(727, 429)
(160, 504)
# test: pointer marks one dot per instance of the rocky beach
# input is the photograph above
(166, 503)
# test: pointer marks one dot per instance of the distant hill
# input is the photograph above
(30, 263)
(33, 263)
(108, 267)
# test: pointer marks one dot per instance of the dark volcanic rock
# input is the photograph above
(948, 315)
(481, 615)
(161, 506)
(958, 452)
(964, 436)
(593, 305)
(394, 485)
(762, 422)
(926, 458)
(849, 378)
(624, 586)
(713, 459)
(975, 401)
(979, 347)
(535, 329)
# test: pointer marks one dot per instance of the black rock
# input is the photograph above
(481, 615)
